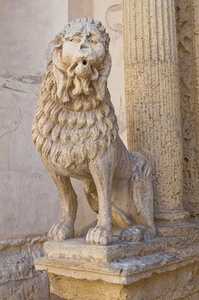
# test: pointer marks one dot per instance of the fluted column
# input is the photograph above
(152, 99)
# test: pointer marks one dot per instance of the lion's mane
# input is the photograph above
(74, 121)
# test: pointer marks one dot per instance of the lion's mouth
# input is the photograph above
(83, 69)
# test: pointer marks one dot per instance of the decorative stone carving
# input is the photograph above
(76, 133)
(188, 96)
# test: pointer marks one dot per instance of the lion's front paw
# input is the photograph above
(99, 235)
(61, 231)
(132, 234)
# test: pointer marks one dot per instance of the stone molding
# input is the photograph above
(172, 253)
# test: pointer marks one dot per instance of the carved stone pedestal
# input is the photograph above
(164, 268)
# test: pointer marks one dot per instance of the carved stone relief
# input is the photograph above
(76, 133)
(185, 36)
(117, 27)
(10, 117)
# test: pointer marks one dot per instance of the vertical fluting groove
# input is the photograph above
(135, 32)
(169, 33)
(163, 30)
(152, 94)
(142, 22)
(149, 29)
(157, 34)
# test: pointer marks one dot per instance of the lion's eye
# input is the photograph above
(76, 40)
(92, 41)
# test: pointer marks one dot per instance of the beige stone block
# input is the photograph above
(34, 288)
(28, 29)
(25, 185)
(79, 9)
(18, 278)
(181, 283)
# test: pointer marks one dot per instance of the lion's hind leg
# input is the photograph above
(141, 209)
(91, 194)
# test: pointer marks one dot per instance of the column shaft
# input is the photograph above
(152, 98)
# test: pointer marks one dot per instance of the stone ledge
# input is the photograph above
(78, 249)
(123, 271)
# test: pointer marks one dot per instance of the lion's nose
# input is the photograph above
(84, 46)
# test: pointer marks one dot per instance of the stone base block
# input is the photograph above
(18, 278)
(34, 288)
(164, 268)
(182, 283)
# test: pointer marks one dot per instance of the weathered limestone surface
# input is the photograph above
(29, 52)
(24, 184)
(27, 36)
(178, 284)
(196, 62)
(153, 99)
(79, 9)
(18, 278)
(187, 16)
(110, 14)
(167, 267)
(164, 268)
(34, 288)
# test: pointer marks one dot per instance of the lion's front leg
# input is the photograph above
(102, 173)
(64, 228)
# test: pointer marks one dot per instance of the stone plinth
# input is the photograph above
(123, 270)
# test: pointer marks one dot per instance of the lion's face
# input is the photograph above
(80, 64)
(83, 51)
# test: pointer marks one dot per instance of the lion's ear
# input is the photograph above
(58, 41)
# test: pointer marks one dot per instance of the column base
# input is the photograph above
(177, 229)
(165, 267)
(171, 216)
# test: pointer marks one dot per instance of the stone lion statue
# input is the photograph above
(76, 133)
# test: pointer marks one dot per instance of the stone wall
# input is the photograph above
(29, 200)
(26, 43)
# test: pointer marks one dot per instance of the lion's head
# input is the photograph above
(75, 119)
(80, 63)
